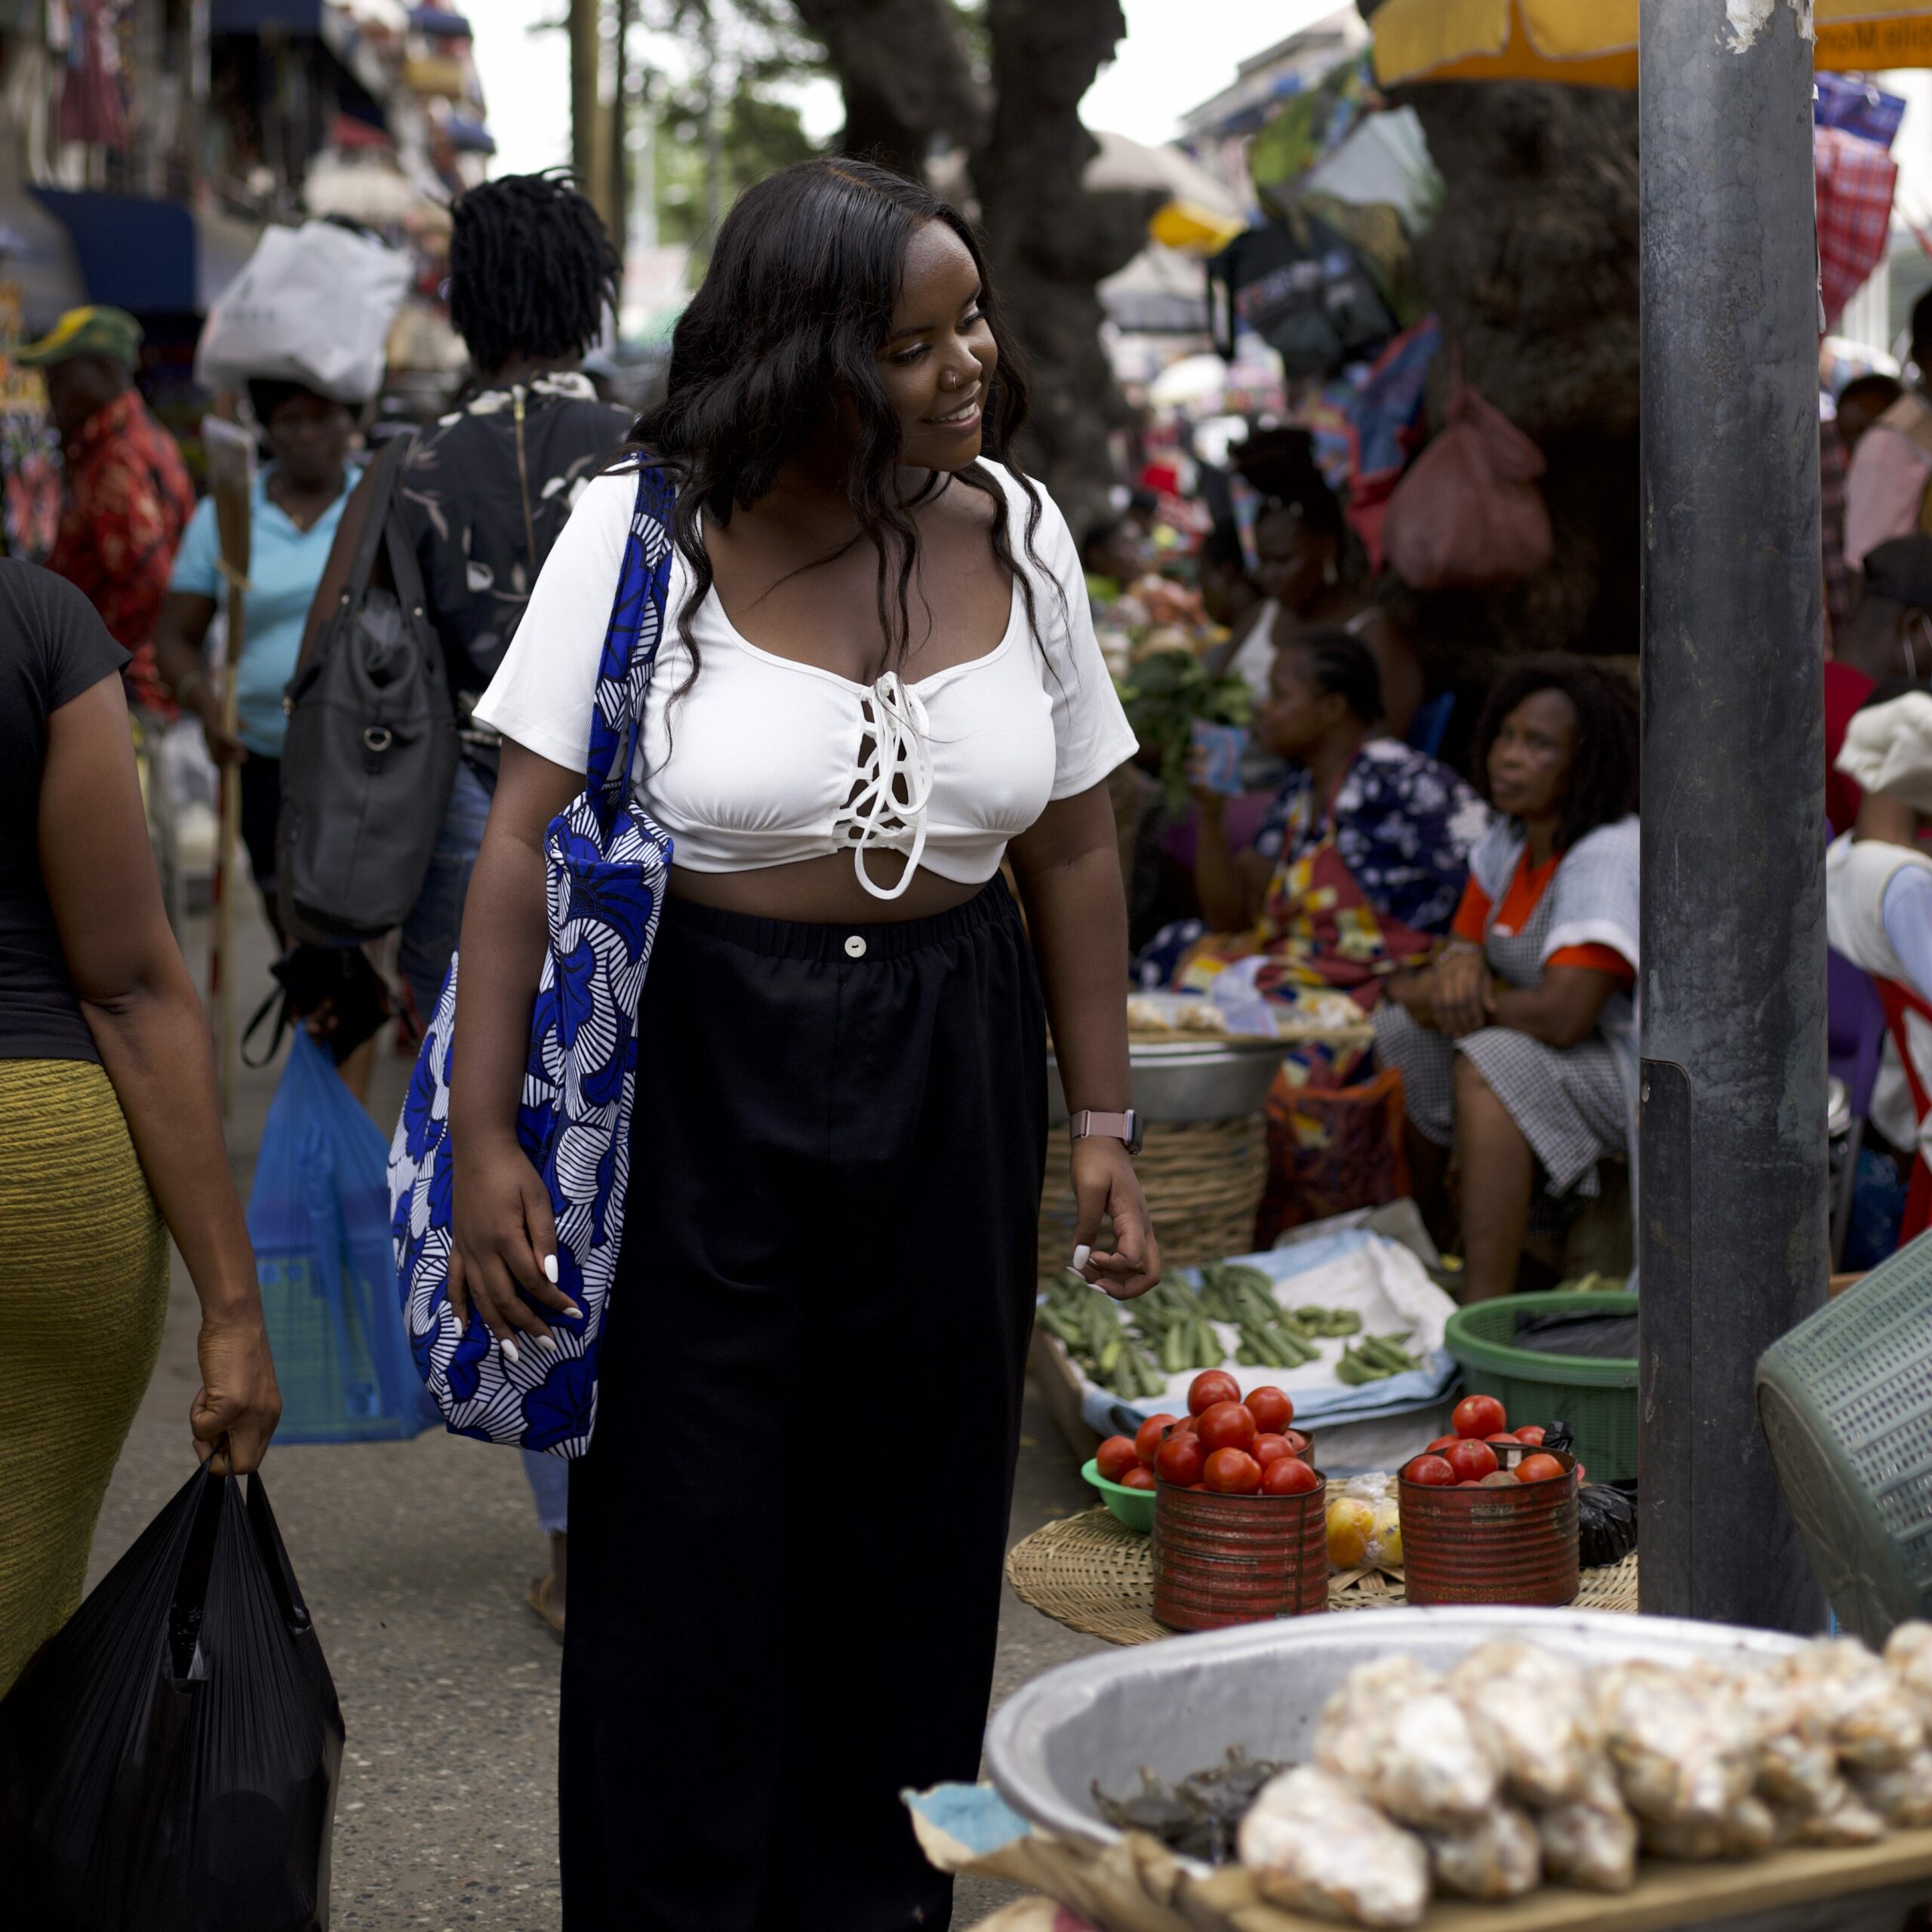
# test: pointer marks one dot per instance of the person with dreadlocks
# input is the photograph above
(1519, 1048)
(484, 493)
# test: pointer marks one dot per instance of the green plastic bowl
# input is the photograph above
(1134, 1507)
(1595, 1395)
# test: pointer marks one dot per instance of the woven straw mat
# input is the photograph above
(1203, 1180)
(1096, 1577)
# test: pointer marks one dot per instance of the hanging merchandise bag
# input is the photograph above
(1304, 287)
(314, 305)
(169, 1761)
(318, 1217)
(605, 863)
(1467, 513)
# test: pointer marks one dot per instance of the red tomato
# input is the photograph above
(1187, 1426)
(1138, 1478)
(1472, 1461)
(1539, 1469)
(1232, 1473)
(1430, 1470)
(1266, 1449)
(1211, 1385)
(1469, 1485)
(1440, 1443)
(1298, 1443)
(1227, 1425)
(1503, 1435)
(1147, 1438)
(1288, 1475)
(1115, 1456)
(1271, 1408)
(1478, 1416)
(1532, 1434)
(1180, 1459)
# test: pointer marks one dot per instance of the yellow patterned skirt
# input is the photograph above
(83, 1296)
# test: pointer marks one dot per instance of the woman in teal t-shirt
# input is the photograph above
(297, 504)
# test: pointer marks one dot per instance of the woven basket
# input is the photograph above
(1203, 1179)
(1096, 1577)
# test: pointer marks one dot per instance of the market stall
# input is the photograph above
(1467, 1770)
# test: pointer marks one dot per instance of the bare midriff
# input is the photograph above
(823, 891)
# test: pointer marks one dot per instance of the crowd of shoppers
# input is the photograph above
(879, 732)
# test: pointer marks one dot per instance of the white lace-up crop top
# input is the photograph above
(766, 760)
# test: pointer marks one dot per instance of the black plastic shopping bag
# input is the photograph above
(168, 1762)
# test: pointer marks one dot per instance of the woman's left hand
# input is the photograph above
(1104, 1183)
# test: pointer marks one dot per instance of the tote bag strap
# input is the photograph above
(631, 640)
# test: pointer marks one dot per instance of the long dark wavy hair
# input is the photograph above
(793, 309)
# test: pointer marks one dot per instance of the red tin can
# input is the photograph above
(1512, 1543)
(1221, 1560)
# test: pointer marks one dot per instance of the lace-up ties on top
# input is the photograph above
(893, 786)
(767, 761)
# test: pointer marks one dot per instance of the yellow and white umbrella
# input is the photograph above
(1593, 43)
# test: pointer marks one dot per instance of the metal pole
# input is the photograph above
(1732, 1231)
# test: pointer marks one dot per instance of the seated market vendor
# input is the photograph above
(1517, 1048)
(1360, 864)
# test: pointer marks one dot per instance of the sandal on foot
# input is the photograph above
(538, 1598)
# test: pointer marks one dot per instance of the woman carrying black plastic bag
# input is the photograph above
(878, 677)
(110, 1137)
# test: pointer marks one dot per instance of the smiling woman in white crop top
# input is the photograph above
(771, 759)
(877, 677)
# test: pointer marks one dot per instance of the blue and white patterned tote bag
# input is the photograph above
(606, 863)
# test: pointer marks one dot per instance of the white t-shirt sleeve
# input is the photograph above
(1905, 912)
(543, 690)
(1091, 735)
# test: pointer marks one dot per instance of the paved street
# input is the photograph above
(414, 1557)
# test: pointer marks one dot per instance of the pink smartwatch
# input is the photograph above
(1125, 1128)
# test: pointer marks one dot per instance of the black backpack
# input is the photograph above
(372, 749)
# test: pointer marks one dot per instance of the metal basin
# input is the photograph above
(1184, 1080)
(1176, 1707)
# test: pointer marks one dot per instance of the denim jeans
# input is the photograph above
(429, 934)
(550, 1481)
(429, 938)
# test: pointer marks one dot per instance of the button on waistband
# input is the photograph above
(855, 947)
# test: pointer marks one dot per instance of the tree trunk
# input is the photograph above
(1050, 241)
(903, 70)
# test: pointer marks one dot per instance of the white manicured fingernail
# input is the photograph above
(1081, 1255)
(509, 1350)
(548, 1342)
(550, 1269)
(571, 1308)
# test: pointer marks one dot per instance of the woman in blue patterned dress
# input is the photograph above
(1360, 863)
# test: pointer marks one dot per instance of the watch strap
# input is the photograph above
(1086, 1124)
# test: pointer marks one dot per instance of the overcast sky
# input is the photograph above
(1177, 53)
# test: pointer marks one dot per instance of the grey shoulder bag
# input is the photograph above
(372, 749)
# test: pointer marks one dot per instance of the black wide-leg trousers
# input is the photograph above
(787, 1535)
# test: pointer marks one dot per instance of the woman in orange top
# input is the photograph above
(1519, 1048)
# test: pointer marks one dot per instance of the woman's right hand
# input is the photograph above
(504, 1246)
(238, 1398)
(1460, 998)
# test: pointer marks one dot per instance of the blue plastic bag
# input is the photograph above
(319, 1218)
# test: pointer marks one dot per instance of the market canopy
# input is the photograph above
(1593, 43)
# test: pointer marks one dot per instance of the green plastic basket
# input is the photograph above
(1846, 1401)
(1596, 1395)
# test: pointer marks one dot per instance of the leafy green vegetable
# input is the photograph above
(1164, 694)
